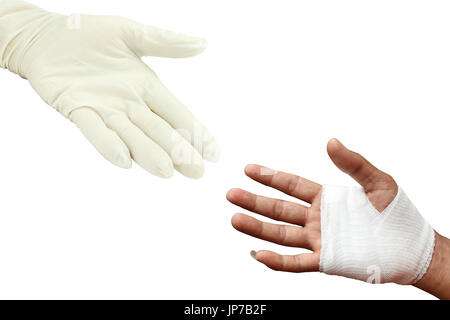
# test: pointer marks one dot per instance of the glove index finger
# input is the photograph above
(105, 140)
(162, 102)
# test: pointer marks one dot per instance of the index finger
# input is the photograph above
(290, 184)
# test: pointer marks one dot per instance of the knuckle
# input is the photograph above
(356, 169)
(306, 213)
(282, 234)
(293, 184)
(390, 180)
(299, 262)
(114, 119)
(119, 123)
(278, 209)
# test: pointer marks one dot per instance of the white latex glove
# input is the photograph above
(89, 68)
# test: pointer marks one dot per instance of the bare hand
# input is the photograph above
(304, 230)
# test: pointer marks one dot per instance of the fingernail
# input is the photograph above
(267, 172)
(253, 254)
(338, 141)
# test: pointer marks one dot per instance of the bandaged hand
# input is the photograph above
(89, 68)
(371, 233)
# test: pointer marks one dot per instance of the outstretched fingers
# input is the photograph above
(272, 208)
(290, 184)
(143, 150)
(186, 159)
(163, 103)
(105, 140)
(286, 235)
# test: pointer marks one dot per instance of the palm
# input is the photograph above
(85, 63)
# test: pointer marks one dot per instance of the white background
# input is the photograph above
(278, 80)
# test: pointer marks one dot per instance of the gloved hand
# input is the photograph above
(89, 68)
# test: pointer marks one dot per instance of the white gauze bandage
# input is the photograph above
(361, 243)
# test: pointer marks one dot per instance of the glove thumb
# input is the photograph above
(151, 41)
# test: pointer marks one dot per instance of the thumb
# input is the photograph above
(151, 41)
(355, 165)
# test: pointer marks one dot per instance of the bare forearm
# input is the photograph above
(437, 279)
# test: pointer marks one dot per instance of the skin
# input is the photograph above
(304, 229)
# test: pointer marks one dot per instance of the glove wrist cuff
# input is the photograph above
(20, 25)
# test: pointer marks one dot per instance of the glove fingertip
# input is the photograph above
(122, 161)
(189, 47)
(211, 152)
(165, 170)
(194, 171)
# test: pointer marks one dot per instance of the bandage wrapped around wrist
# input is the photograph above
(361, 243)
